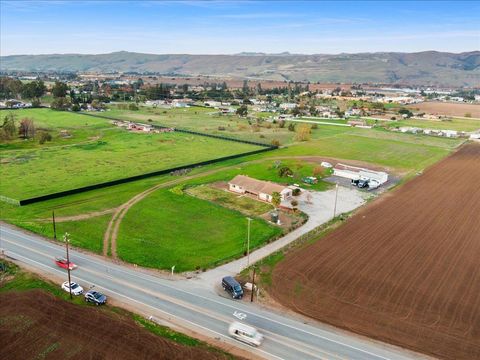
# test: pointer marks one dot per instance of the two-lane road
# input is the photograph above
(199, 309)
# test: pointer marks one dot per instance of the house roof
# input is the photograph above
(256, 186)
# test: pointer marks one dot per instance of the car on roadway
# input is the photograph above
(76, 289)
(245, 333)
(95, 297)
(64, 264)
(232, 286)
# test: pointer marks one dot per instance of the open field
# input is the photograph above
(113, 155)
(404, 269)
(142, 229)
(170, 228)
(37, 322)
(454, 124)
(449, 109)
(206, 120)
(399, 152)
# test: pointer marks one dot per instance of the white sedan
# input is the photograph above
(76, 289)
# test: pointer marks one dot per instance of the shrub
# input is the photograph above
(275, 142)
(285, 171)
(133, 107)
(44, 137)
(221, 128)
(314, 126)
(291, 127)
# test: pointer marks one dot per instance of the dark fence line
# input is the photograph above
(136, 177)
(191, 132)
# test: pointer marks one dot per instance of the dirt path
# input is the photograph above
(81, 216)
(111, 234)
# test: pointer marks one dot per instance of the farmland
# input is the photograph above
(141, 236)
(111, 154)
(446, 108)
(404, 269)
(37, 322)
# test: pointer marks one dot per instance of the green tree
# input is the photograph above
(33, 89)
(59, 90)
(242, 110)
(9, 128)
(61, 104)
(285, 171)
(276, 199)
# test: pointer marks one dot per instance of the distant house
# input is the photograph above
(263, 190)
(288, 106)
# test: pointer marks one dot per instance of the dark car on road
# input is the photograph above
(232, 286)
(95, 297)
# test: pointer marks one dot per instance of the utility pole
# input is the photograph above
(248, 243)
(253, 283)
(335, 206)
(67, 240)
(54, 227)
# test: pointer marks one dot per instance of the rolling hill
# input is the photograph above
(423, 68)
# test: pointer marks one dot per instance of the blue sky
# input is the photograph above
(228, 27)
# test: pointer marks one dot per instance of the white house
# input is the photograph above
(263, 190)
(288, 106)
(355, 173)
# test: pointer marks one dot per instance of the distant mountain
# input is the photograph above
(422, 68)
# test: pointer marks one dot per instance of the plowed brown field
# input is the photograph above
(37, 325)
(405, 269)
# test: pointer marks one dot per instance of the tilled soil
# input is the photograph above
(405, 269)
(36, 325)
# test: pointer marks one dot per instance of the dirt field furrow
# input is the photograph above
(405, 269)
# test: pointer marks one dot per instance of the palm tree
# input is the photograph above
(276, 199)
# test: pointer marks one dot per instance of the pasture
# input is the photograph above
(457, 124)
(111, 153)
(163, 227)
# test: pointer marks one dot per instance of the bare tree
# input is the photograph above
(26, 128)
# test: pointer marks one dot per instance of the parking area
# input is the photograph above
(341, 181)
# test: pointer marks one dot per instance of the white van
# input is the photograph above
(245, 333)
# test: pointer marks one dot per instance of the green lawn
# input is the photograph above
(115, 155)
(167, 229)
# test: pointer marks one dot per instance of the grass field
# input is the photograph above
(142, 237)
(112, 155)
(454, 124)
(207, 120)
(167, 229)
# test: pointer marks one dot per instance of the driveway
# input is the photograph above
(319, 206)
